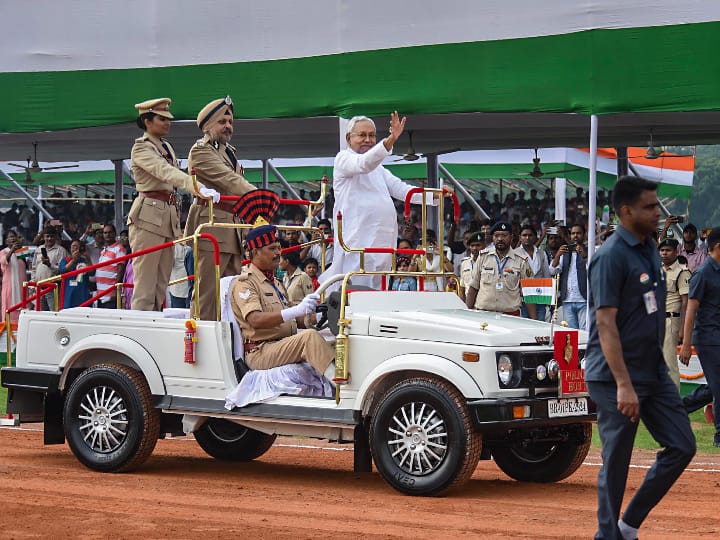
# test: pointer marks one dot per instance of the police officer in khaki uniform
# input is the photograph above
(268, 323)
(296, 282)
(475, 243)
(216, 166)
(153, 217)
(495, 282)
(677, 280)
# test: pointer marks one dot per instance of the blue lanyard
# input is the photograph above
(501, 268)
(281, 295)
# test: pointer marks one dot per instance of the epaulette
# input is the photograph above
(200, 143)
(245, 276)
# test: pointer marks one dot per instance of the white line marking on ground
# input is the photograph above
(589, 464)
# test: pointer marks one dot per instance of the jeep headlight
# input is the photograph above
(552, 369)
(505, 369)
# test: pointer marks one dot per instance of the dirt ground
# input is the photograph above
(306, 489)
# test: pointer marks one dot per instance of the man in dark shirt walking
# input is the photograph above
(702, 329)
(625, 371)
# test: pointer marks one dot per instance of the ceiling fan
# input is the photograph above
(537, 172)
(412, 156)
(34, 167)
(653, 153)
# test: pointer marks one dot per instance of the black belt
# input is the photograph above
(669, 315)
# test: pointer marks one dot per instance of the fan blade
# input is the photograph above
(551, 173)
(16, 165)
(662, 155)
(440, 152)
(59, 167)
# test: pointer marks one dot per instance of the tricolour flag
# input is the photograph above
(538, 291)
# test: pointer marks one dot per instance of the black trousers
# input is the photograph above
(663, 414)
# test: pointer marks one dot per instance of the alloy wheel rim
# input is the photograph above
(418, 438)
(103, 419)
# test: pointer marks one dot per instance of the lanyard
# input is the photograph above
(281, 295)
(499, 267)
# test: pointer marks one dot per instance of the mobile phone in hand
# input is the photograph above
(43, 251)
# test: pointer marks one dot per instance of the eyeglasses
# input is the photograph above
(364, 135)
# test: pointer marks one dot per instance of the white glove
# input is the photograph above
(209, 192)
(308, 305)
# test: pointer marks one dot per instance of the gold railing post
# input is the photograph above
(8, 329)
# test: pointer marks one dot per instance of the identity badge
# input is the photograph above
(650, 302)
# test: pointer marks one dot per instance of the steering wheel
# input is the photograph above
(322, 321)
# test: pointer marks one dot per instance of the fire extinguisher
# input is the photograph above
(190, 341)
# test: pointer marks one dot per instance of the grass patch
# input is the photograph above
(704, 435)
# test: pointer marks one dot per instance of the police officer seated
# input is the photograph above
(268, 321)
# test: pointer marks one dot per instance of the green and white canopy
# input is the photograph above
(85, 63)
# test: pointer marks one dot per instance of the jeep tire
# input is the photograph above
(422, 439)
(228, 441)
(545, 461)
(110, 422)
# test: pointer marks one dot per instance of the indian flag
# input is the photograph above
(538, 291)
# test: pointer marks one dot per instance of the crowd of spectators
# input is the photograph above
(85, 222)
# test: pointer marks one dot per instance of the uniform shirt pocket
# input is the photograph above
(150, 213)
(512, 279)
(487, 276)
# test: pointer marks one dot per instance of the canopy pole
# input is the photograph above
(118, 194)
(592, 216)
(459, 187)
(282, 180)
(32, 200)
(265, 174)
(41, 223)
(433, 182)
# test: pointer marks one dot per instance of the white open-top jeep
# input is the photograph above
(426, 388)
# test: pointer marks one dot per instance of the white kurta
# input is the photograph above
(364, 190)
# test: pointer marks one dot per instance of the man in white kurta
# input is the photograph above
(364, 190)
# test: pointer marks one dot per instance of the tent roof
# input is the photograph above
(318, 136)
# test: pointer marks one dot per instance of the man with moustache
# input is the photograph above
(364, 190)
(216, 166)
(625, 371)
(269, 324)
(495, 281)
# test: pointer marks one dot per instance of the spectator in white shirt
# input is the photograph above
(537, 260)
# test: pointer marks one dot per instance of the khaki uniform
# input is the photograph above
(498, 283)
(466, 268)
(677, 279)
(152, 221)
(298, 286)
(270, 347)
(215, 169)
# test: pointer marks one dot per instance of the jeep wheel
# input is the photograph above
(422, 439)
(110, 422)
(545, 461)
(228, 441)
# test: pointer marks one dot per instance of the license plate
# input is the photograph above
(567, 407)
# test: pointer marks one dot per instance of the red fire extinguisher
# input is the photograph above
(190, 341)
